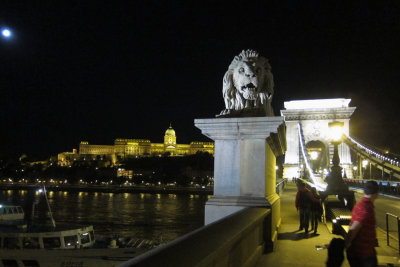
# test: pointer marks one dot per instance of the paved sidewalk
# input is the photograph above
(295, 248)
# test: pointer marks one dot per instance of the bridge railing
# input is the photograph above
(390, 163)
(280, 185)
(237, 240)
(386, 187)
(389, 215)
(371, 152)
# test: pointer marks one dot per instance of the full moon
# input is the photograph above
(6, 33)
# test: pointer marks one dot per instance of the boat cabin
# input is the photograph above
(64, 239)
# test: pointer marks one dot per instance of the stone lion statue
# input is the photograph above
(248, 86)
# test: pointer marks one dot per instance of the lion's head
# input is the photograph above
(248, 84)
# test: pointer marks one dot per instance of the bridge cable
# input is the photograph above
(318, 184)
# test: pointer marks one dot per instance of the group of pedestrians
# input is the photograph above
(308, 203)
(360, 240)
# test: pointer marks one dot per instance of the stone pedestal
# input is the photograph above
(244, 166)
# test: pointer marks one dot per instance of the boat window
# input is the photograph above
(11, 243)
(91, 233)
(51, 242)
(20, 210)
(31, 242)
(71, 241)
(5, 210)
(85, 238)
(9, 263)
(15, 210)
(30, 263)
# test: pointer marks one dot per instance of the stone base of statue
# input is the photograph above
(337, 187)
(244, 164)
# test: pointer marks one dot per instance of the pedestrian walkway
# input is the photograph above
(295, 248)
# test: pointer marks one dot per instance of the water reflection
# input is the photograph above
(144, 215)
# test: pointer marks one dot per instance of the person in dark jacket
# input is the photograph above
(316, 210)
(335, 253)
(304, 200)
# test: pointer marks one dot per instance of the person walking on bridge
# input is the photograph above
(361, 238)
(304, 200)
(316, 211)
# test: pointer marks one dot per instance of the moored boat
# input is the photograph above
(11, 215)
(49, 245)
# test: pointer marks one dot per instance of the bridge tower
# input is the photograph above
(314, 116)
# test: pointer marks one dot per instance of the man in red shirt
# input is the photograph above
(361, 238)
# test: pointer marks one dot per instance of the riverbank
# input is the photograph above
(113, 188)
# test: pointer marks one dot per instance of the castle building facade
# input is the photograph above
(126, 148)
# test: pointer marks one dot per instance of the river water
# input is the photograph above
(141, 215)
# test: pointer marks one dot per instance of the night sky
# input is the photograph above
(95, 72)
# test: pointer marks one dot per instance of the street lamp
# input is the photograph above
(334, 179)
(336, 185)
(336, 130)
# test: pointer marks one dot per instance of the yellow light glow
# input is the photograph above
(314, 155)
(365, 163)
(336, 130)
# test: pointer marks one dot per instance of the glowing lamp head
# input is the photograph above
(336, 130)
(314, 155)
(365, 163)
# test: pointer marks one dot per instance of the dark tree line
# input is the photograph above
(197, 169)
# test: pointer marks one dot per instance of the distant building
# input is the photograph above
(125, 148)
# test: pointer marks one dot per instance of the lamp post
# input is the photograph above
(336, 185)
(334, 179)
(364, 165)
(336, 128)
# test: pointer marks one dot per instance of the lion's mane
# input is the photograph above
(234, 100)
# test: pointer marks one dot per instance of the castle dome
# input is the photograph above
(170, 131)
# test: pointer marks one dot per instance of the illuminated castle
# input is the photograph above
(125, 148)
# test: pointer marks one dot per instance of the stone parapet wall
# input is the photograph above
(236, 240)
